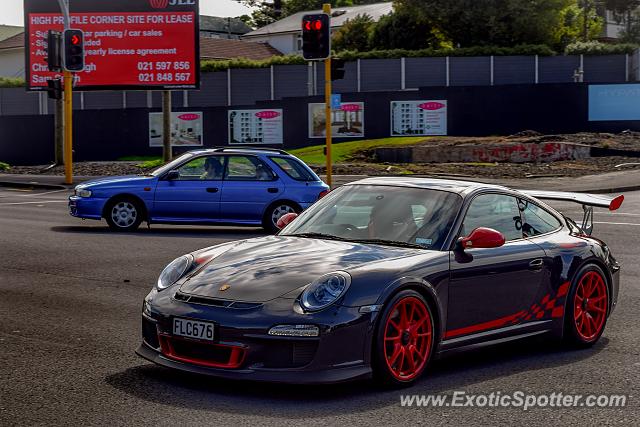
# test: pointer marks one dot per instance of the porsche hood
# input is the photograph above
(262, 269)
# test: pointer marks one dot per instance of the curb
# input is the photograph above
(33, 184)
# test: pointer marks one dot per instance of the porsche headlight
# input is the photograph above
(325, 291)
(174, 271)
(81, 192)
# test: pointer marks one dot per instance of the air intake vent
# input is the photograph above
(214, 302)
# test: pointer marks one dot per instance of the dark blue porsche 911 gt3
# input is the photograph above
(379, 277)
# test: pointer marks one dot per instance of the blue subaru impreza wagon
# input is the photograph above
(240, 186)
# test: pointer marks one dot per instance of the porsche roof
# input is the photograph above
(455, 186)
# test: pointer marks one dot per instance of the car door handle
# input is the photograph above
(272, 190)
(212, 190)
(536, 264)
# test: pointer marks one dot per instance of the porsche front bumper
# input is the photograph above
(244, 349)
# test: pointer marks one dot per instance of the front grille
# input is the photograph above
(214, 302)
(291, 354)
(202, 353)
(150, 333)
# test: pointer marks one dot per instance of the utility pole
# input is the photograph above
(326, 8)
(68, 106)
(167, 152)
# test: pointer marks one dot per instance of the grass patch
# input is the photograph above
(149, 164)
(342, 151)
(4, 166)
(137, 158)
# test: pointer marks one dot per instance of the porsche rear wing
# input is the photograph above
(588, 202)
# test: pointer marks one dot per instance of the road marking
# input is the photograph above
(616, 223)
(33, 203)
(33, 195)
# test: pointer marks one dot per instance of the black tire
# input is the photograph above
(274, 212)
(384, 351)
(124, 214)
(592, 308)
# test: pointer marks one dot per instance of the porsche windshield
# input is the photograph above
(402, 216)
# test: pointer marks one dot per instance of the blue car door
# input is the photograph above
(193, 195)
(249, 187)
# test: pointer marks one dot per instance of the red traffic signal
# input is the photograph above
(73, 47)
(316, 36)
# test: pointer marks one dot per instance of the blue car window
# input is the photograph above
(294, 169)
(247, 168)
(202, 168)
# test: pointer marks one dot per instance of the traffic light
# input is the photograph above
(316, 36)
(54, 60)
(337, 69)
(54, 88)
(73, 50)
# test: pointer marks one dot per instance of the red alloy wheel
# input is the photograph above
(590, 306)
(408, 336)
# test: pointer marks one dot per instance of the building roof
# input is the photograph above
(227, 49)
(221, 25)
(13, 42)
(339, 16)
(209, 48)
(7, 31)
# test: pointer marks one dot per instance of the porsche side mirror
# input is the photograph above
(482, 237)
(285, 220)
(173, 175)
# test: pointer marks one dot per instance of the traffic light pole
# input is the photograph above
(68, 128)
(68, 106)
(326, 8)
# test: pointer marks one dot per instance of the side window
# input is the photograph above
(537, 220)
(497, 211)
(202, 168)
(293, 168)
(247, 168)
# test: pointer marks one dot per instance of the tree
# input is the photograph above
(354, 34)
(493, 22)
(626, 11)
(404, 30)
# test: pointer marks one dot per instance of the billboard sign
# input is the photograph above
(186, 129)
(347, 121)
(129, 44)
(614, 102)
(418, 118)
(255, 126)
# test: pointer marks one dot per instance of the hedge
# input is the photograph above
(597, 48)
(10, 82)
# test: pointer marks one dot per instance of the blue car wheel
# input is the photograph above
(124, 214)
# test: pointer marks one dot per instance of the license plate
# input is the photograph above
(193, 329)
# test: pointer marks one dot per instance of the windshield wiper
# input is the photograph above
(319, 236)
(389, 243)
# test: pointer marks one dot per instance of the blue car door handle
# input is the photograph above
(212, 190)
(272, 190)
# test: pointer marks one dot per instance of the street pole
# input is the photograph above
(326, 8)
(167, 154)
(68, 106)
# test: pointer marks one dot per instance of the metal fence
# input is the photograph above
(238, 87)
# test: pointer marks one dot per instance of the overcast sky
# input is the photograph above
(11, 12)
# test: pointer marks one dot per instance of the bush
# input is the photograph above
(597, 48)
(223, 65)
(4, 166)
(11, 82)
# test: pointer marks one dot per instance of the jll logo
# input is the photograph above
(189, 117)
(432, 105)
(159, 4)
(267, 114)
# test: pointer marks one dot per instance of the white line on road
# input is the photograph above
(616, 223)
(33, 203)
(35, 195)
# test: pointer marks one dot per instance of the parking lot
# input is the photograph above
(70, 313)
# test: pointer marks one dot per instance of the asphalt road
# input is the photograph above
(70, 299)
